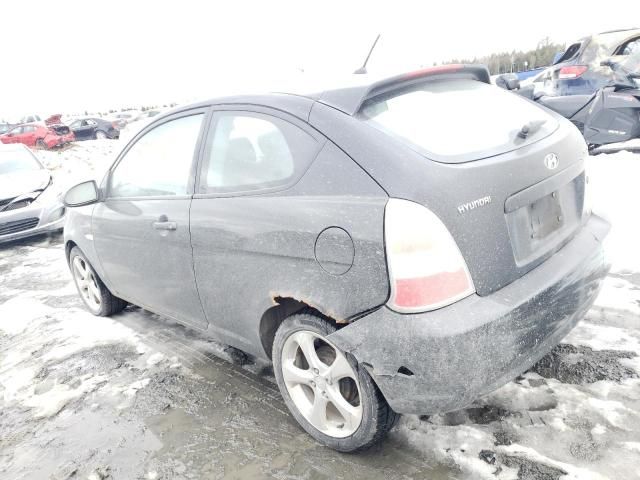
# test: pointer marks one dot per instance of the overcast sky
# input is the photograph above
(66, 56)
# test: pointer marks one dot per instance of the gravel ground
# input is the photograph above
(137, 396)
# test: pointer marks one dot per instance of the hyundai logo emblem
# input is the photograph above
(551, 161)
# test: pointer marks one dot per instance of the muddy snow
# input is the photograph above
(139, 397)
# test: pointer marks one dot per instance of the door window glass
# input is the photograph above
(253, 151)
(160, 162)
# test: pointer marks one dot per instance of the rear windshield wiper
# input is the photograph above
(530, 127)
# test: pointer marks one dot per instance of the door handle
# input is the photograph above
(163, 223)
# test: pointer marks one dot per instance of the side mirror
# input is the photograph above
(508, 81)
(84, 193)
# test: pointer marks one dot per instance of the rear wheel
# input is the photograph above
(41, 144)
(95, 295)
(332, 397)
(100, 135)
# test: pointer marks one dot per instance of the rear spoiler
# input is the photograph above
(350, 99)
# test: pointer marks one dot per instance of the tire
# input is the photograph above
(40, 144)
(304, 387)
(93, 292)
(100, 135)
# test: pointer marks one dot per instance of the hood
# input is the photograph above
(19, 183)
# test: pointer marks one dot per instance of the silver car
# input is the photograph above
(29, 205)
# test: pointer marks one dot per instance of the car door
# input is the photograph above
(238, 223)
(29, 135)
(14, 135)
(141, 229)
(88, 129)
(78, 130)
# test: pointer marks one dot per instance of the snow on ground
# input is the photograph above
(137, 396)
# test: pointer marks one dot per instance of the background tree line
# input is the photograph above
(516, 61)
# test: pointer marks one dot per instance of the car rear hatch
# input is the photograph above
(504, 175)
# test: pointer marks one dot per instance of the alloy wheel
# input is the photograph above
(87, 284)
(322, 384)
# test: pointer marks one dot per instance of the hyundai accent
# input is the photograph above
(404, 245)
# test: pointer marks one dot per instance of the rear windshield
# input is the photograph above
(571, 52)
(458, 120)
(17, 161)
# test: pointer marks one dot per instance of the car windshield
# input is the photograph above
(455, 121)
(17, 161)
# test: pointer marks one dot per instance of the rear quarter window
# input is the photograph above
(455, 121)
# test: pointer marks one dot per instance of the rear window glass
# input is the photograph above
(457, 120)
(571, 52)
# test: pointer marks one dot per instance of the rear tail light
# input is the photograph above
(573, 71)
(115, 125)
(426, 268)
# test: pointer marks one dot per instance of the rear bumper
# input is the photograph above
(463, 351)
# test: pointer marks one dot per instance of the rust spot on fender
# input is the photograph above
(276, 298)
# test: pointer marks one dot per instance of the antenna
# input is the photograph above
(363, 68)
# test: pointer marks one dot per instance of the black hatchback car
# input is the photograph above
(398, 246)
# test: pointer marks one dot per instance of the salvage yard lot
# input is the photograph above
(137, 396)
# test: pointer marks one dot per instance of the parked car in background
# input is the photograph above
(29, 203)
(404, 245)
(122, 119)
(579, 71)
(94, 128)
(32, 118)
(39, 136)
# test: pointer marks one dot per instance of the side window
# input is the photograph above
(16, 131)
(159, 163)
(75, 124)
(29, 129)
(250, 152)
(631, 47)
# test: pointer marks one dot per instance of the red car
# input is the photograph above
(40, 136)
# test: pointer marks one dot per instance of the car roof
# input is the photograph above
(346, 95)
(620, 30)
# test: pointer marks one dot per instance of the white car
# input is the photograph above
(29, 204)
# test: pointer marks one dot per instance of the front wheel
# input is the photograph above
(95, 295)
(41, 144)
(100, 135)
(332, 397)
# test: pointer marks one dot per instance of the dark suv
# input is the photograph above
(578, 71)
(398, 246)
